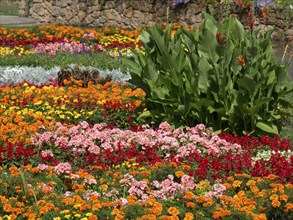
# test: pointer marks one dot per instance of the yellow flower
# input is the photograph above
(56, 218)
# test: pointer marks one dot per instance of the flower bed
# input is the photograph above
(76, 150)
(85, 170)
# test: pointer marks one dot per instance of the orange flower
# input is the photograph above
(241, 60)
(200, 199)
(188, 216)
(173, 211)
(276, 203)
(148, 217)
(35, 170)
(274, 197)
(236, 183)
(284, 198)
(186, 167)
(259, 217)
(208, 202)
(288, 207)
(189, 195)
(251, 183)
(190, 205)
(262, 209)
(220, 213)
(179, 174)
(93, 217)
(13, 169)
(173, 164)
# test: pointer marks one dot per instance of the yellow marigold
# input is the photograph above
(189, 195)
(179, 174)
(236, 183)
(276, 203)
(173, 211)
(188, 216)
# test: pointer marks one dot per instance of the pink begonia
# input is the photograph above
(111, 193)
(42, 166)
(90, 36)
(90, 181)
(124, 201)
(68, 194)
(46, 187)
(165, 126)
(94, 149)
(217, 191)
(87, 195)
(98, 138)
(63, 168)
(74, 176)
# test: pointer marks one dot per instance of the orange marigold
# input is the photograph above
(190, 205)
(276, 203)
(179, 174)
(189, 195)
(188, 216)
(236, 183)
(173, 211)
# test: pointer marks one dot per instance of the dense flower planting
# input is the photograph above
(51, 39)
(67, 168)
(77, 151)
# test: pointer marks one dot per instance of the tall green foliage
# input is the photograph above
(219, 75)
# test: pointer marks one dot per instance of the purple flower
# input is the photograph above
(176, 2)
(262, 3)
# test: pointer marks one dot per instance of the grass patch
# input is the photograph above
(9, 8)
(97, 60)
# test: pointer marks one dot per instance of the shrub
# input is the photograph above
(219, 75)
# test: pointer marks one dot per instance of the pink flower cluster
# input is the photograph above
(90, 36)
(99, 138)
(63, 168)
(168, 188)
(69, 47)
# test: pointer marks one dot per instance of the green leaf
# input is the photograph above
(267, 127)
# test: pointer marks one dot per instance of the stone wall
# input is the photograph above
(136, 13)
